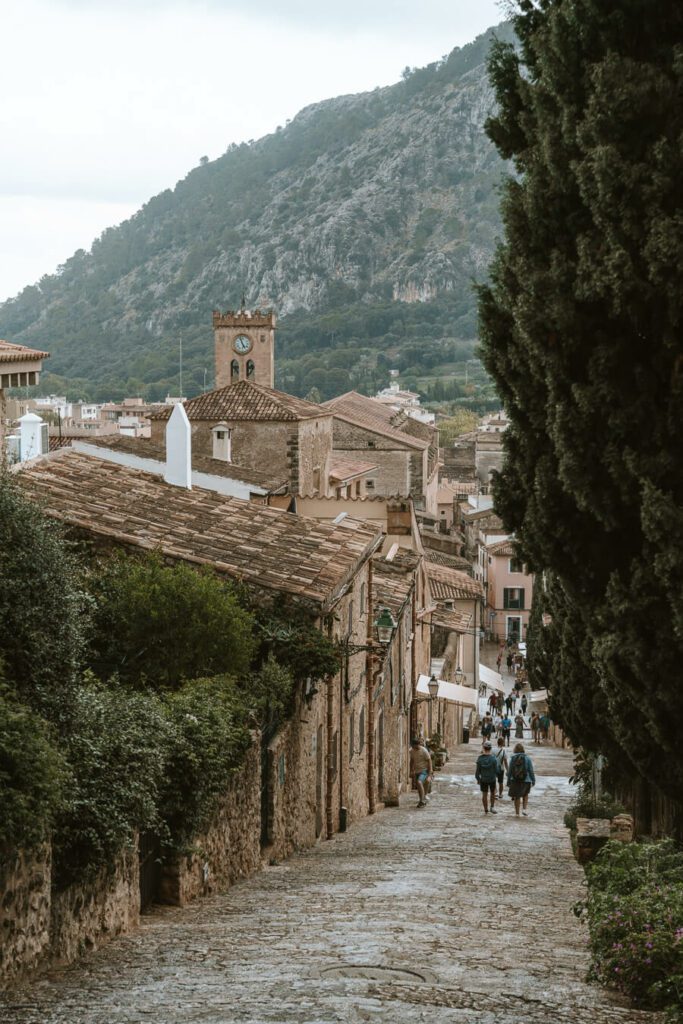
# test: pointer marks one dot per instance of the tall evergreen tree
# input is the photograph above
(581, 330)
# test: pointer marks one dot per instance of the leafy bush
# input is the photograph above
(116, 757)
(31, 776)
(42, 606)
(208, 740)
(635, 914)
(584, 806)
(156, 625)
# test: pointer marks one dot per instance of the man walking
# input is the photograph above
(486, 774)
(420, 768)
(520, 778)
(509, 702)
(502, 759)
(505, 727)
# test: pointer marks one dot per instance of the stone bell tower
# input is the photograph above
(244, 343)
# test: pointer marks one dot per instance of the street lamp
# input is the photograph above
(385, 624)
(459, 676)
(433, 687)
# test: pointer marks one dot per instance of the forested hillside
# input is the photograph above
(363, 222)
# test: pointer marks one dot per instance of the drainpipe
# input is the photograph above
(329, 789)
(370, 684)
(413, 670)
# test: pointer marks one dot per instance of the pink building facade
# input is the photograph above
(509, 590)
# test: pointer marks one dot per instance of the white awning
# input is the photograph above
(493, 680)
(538, 696)
(450, 691)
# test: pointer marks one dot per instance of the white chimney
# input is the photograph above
(179, 449)
(31, 433)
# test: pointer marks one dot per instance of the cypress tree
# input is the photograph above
(581, 330)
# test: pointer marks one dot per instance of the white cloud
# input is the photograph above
(105, 104)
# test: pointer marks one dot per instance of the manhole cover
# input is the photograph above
(368, 972)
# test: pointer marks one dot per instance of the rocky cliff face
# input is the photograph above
(384, 197)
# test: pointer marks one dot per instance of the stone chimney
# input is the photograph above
(179, 449)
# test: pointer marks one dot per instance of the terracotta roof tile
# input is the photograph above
(368, 413)
(245, 400)
(342, 468)
(452, 561)
(11, 353)
(502, 547)
(263, 546)
(448, 584)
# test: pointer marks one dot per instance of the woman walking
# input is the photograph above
(519, 726)
(520, 778)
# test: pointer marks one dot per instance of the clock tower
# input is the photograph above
(244, 342)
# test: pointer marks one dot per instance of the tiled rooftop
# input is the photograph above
(245, 400)
(263, 546)
(452, 561)
(145, 448)
(502, 547)
(361, 411)
(448, 584)
(393, 581)
(11, 353)
(342, 468)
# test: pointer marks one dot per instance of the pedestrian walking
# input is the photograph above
(499, 703)
(499, 659)
(508, 661)
(521, 778)
(505, 728)
(487, 728)
(519, 726)
(502, 759)
(524, 703)
(420, 769)
(544, 723)
(486, 774)
(509, 701)
(535, 726)
(492, 703)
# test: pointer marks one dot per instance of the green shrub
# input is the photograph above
(157, 625)
(31, 776)
(116, 755)
(208, 741)
(635, 915)
(583, 806)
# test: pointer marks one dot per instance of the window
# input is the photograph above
(370, 485)
(251, 369)
(234, 371)
(513, 597)
(361, 730)
(515, 565)
(371, 444)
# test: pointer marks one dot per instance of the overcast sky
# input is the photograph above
(104, 103)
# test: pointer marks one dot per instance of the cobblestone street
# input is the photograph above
(441, 914)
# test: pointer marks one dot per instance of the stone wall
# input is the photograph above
(392, 475)
(88, 913)
(315, 448)
(230, 849)
(24, 911)
(40, 925)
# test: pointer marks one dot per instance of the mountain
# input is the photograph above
(363, 222)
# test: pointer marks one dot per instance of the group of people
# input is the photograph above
(500, 726)
(490, 774)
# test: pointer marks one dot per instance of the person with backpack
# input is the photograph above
(486, 774)
(521, 778)
(505, 727)
(502, 759)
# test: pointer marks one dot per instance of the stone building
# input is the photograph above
(244, 346)
(261, 429)
(457, 599)
(20, 367)
(404, 451)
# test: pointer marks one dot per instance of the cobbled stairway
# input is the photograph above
(439, 915)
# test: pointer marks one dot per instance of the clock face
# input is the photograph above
(242, 343)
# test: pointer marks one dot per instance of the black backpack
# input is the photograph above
(518, 768)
